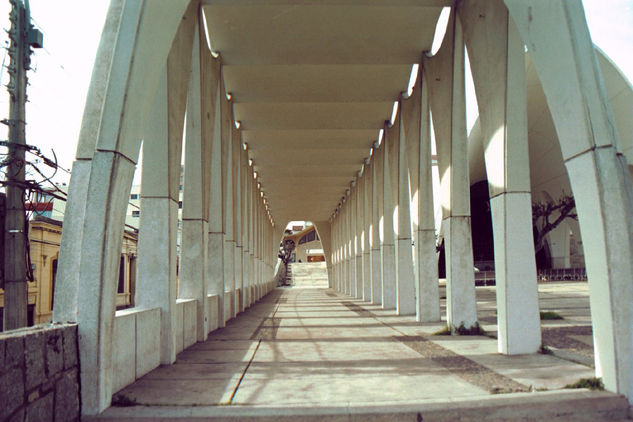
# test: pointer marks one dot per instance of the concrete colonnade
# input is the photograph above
(398, 176)
(146, 79)
(154, 67)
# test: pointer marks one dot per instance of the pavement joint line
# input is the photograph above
(250, 361)
(239, 382)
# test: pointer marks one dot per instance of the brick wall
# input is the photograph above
(39, 374)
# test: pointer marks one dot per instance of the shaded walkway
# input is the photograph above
(318, 348)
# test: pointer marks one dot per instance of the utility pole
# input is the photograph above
(22, 36)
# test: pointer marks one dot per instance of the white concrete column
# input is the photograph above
(156, 279)
(193, 274)
(337, 256)
(375, 238)
(388, 250)
(404, 254)
(428, 288)
(215, 257)
(251, 235)
(246, 282)
(120, 95)
(237, 220)
(446, 89)
(156, 264)
(228, 202)
(358, 213)
(367, 281)
(351, 212)
(562, 52)
(500, 87)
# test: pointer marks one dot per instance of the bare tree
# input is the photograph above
(546, 216)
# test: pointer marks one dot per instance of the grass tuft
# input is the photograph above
(550, 315)
(121, 400)
(474, 330)
(446, 331)
(590, 383)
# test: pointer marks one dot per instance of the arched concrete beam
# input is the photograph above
(557, 37)
(496, 55)
(324, 230)
(136, 41)
(445, 75)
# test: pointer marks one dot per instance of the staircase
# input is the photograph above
(308, 275)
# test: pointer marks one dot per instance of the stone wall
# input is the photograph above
(39, 374)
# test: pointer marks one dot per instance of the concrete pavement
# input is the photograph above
(318, 349)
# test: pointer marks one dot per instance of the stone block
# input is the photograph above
(212, 312)
(228, 305)
(54, 352)
(40, 410)
(67, 397)
(16, 417)
(190, 315)
(3, 346)
(12, 392)
(70, 346)
(177, 329)
(147, 340)
(34, 348)
(13, 351)
(123, 350)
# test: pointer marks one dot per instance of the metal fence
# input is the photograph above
(487, 278)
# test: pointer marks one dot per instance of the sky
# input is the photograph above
(72, 28)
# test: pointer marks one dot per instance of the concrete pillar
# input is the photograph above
(353, 243)
(107, 152)
(428, 297)
(251, 234)
(193, 274)
(367, 280)
(388, 250)
(500, 88)
(228, 201)
(446, 89)
(156, 264)
(562, 52)
(337, 251)
(404, 254)
(324, 230)
(358, 213)
(237, 219)
(375, 234)
(156, 279)
(349, 240)
(246, 177)
(215, 257)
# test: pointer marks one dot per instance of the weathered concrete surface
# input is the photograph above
(301, 349)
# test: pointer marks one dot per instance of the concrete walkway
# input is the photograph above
(316, 348)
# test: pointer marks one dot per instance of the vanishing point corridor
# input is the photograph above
(304, 348)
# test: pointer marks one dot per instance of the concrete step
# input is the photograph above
(308, 274)
(557, 406)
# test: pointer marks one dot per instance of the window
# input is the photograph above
(134, 196)
(136, 213)
(53, 279)
(121, 286)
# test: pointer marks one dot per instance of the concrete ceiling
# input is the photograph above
(312, 83)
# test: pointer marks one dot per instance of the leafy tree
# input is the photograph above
(546, 216)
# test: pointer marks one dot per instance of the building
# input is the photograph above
(44, 241)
